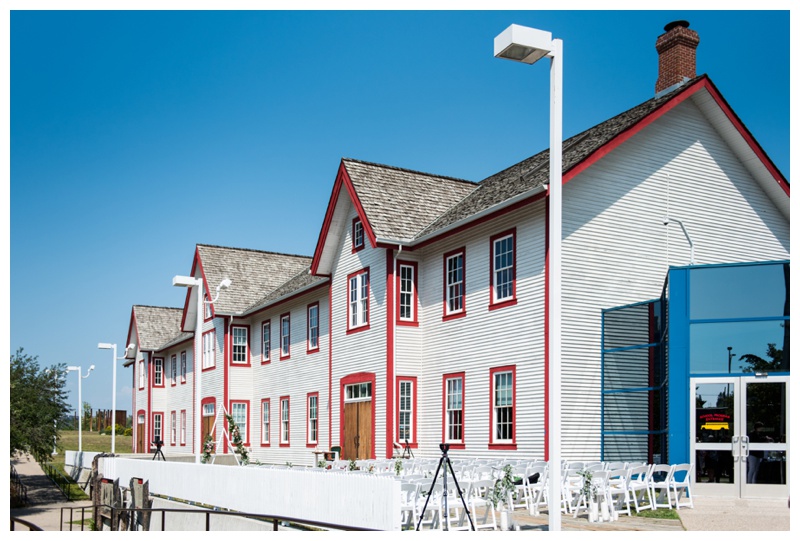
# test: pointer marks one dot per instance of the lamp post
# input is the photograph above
(528, 45)
(197, 283)
(114, 359)
(80, 402)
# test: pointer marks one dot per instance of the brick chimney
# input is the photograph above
(676, 55)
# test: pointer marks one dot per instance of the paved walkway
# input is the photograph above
(709, 514)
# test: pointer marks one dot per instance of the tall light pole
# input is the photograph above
(528, 45)
(114, 359)
(80, 402)
(197, 283)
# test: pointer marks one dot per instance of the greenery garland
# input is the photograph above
(236, 439)
(208, 446)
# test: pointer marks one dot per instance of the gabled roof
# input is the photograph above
(156, 327)
(584, 149)
(254, 275)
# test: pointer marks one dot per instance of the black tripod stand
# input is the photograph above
(446, 512)
(158, 453)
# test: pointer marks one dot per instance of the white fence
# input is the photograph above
(347, 499)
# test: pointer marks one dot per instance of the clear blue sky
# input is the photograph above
(135, 135)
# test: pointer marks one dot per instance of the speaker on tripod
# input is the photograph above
(445, 460)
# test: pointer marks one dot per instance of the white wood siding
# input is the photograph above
(617, 250)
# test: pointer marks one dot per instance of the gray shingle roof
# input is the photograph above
(535, 171)
(158, 326)
(400, 203)
(303, 280)
(254, 274)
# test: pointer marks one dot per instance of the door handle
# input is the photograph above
(746, 446)
(735, 446)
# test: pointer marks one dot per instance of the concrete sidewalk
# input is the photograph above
(709, 514)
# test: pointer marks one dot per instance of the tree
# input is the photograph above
(37, 399)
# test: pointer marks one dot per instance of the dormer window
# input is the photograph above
(358, 235)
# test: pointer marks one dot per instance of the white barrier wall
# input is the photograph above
(347, 499)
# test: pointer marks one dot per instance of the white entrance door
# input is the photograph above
(740, 427)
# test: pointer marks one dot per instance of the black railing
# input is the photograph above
(19, 492)
(112, 515)
(61, 481)
(29, 525)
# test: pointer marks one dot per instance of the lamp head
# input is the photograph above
(523, 44)
(185, 281)
(225, 284)
(91, 368)
(666, 220)
(104, 345)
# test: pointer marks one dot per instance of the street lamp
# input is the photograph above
(80, 402)
(528, 45)
(114, 359)
(197, 283)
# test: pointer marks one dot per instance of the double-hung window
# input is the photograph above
(406, 403)
(358, 235)
(265, 421)
(239, 349)
(358, 300)
(454, 408)
(502, 396)
(313, 417)
(407, 293)
(183, 427)
(284, 421)
(454, 287)
(158, 420)
(266, 343)
(173, 429)
(173, 369)
(503, 269)
(239, 414)
(286, 337)
(313, 328)
(142, 374)
(209, 350)
(158, 372)
(183, 367)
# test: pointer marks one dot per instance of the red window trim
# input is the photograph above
(261, 422)
(365, 326)
(156, 385)
(493, 304)
(463, 312)
(309, 349)
(141, 370)
(173, 443)
(247, 345)
(181, 429)
(173, 366)
(210, 307)
(281, 356)
(505, 446)
(413, 441)
(184, 367)
(309, 443)
(202, 351)
(265, 359)
(203, 402)
(153, 414)
(353, 247)
(462, 377)
(280, 422)
(246, 441)
(414, 321)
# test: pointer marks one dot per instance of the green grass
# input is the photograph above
(669, 514)
(93, 443)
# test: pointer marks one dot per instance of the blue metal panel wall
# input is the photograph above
(678, 386)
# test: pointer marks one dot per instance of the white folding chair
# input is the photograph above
(639, 486)
(538, 488)
(409, 493)
(618, 490)
(478, 500)
(660, 479)
(682, 482)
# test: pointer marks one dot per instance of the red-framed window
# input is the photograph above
(240, 345)
(158, 372)
(142, 375)
(357, 235)
(406, 410)
(312, 326)
(503, 402)
(183, 427)
(286, 337)
(407, 293)
(312, 425)
(358, 301)
(208, 308)
(284, 416)
(183, 367)
(265, 422)
(208, 412)
(455, 284)
(209, 349)
(503, 269)
(266, 341)
(157, 426)
(173, 429)
(240, 411)
(453, 409)
(173, 370)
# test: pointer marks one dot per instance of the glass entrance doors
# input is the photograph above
(739, 427)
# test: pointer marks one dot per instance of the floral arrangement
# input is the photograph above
(588, 488)
(503, 488)
(236, 439)
(398, 466)
(208, 447)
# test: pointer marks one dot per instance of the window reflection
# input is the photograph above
(739, 291)
(756, 346)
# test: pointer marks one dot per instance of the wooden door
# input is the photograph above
(208, 424)
(357, 442)
(140, 448)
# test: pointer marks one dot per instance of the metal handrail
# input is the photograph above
(275, 519)
(31, 526)
(59, 479)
